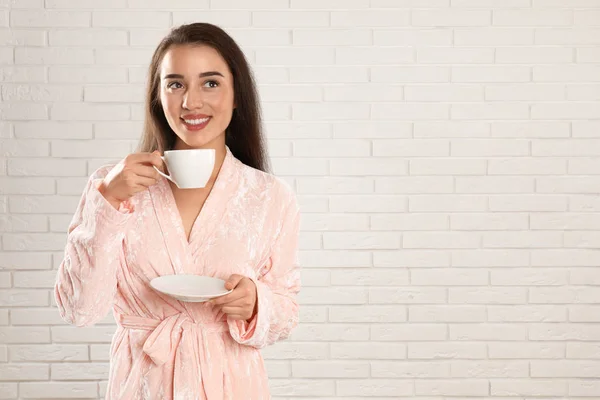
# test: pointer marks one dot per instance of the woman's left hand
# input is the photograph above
(240, 304)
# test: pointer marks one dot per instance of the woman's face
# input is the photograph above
(196, 93)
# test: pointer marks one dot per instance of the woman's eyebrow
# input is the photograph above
(202, 75)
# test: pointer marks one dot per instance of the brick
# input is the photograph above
(23, 74)
(488, 332)
(24, 372)
(409, 74)
(367, 351)
(85, 4)
(370, 277)
(48, 353)
(23, 223)
(37, 279)
(332, 259)
(86, 74)
(130, 19)
(463, 387)
(403, 369)
(87, 335)
(29, 335)
(368, 166)
(129, 56)
(22, 37)
(566, 73)
(412, 37)
(8, 390)
(413, 185)
(446, 313)
(581, 350)
(54, 56)
(295, 19)
(533, 129)
(527, 387)
(332, 148)
(372, 129)
(406, 332)
(172, 4)
(488, 74)
(332, 111)
(532, 17)
(374, 387)
(366, 203)
(295, 56)
(377, 55)
(23, 112)
(490, 3)
(300, 166)
(329, 75)
(450, 18)
(334, 185)
(370, 18)
(49, 19)
(447, 350)
(409, 111)
(20, 261)
(302, 387)
(90, 148)
(526, 350)
(447, 203)
(368, 313)
(313, 295)
(487, 295)
(230, 19)
(329, 4)
(443, 92)
(409, 222)
(337, 332)
(567, 36)
(527, 313)
(330, 369)
(58, 390)
(407, 295)
(87, 37)
(73, 371)
(41, 93)
(46, 167)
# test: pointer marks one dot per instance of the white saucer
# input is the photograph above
(190, 288)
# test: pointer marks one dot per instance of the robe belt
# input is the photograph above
(165, 336)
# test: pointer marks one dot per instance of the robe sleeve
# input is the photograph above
(278, 285)
(86, 281)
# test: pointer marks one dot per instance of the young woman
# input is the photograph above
(133, 225)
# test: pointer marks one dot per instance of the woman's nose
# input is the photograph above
(192, 100)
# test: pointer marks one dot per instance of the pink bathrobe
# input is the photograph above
(164, 348)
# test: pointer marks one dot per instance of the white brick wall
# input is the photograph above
(446, 158)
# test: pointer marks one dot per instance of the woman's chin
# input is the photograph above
(195, 140)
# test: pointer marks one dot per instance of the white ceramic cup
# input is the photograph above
(189, 169)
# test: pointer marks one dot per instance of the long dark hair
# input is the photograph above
(244, 134)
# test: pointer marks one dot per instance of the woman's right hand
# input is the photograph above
(133, 174)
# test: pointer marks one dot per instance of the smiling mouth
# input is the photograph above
(198, 121)
(195, 124)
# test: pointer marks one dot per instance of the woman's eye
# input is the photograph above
(174, 85)
(211, 84)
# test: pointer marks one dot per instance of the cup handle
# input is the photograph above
(162, 173)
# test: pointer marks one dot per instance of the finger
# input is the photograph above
(233, 281)
(237, 317)
(145, 170)
(143, 182)
(147, 158)
(228, 298)
(233, 310)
